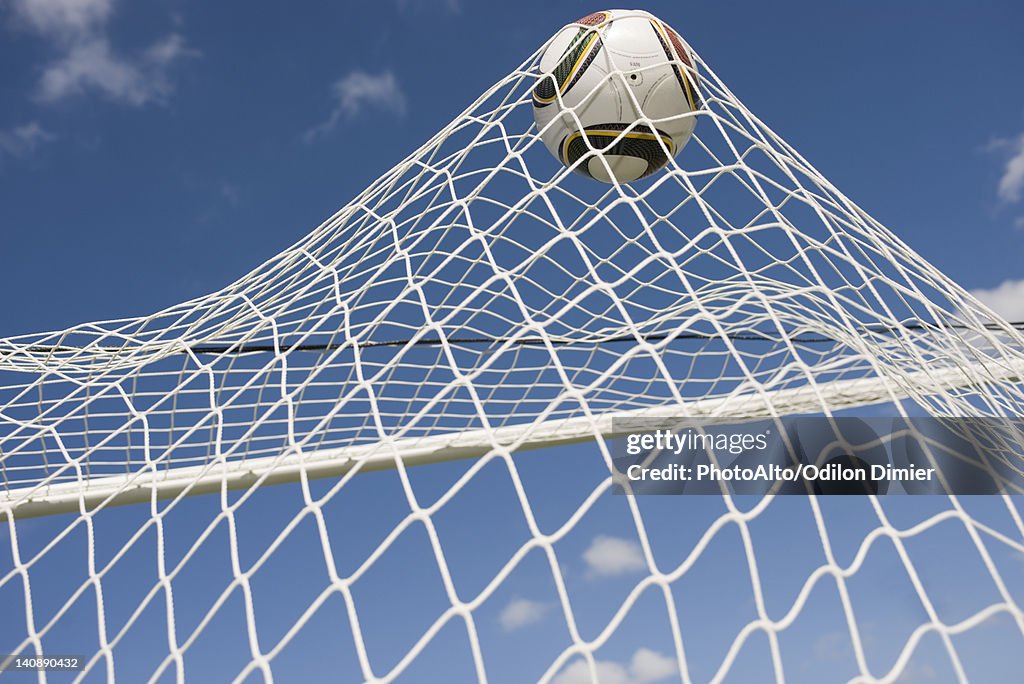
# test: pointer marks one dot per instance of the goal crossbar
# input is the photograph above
(154, 482)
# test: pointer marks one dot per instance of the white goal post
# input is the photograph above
(476, 303)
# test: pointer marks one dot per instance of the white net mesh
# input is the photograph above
(475, 302)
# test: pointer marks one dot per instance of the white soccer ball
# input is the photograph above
(625, 80)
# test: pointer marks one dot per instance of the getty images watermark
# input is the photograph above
(818, 455)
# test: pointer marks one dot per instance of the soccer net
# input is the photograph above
(483, 310)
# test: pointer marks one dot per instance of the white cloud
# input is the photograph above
(77, 29)
(520, 613)
(22, 141)
(579, 673)
(651, 666)
(612, 556)
(1006, 299)
(357, 91)
(453, 6)
(1011, 184)
(64, 19)
(93, 65)
(645, 667)
(168, 50)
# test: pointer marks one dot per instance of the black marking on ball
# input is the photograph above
(639, 142)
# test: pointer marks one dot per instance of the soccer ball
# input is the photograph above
(617, 94)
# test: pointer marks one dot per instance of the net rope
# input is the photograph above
(522, 306)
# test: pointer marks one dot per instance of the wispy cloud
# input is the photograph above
(63, 19)
(230, 193)
(1011, 183)
(77, 29)
(521, 612)
(1006, 299)
(645, 667)
(356, 92)
(832, 646)
(94, 65)
(21, 141)
(613, 556)
(453, 6)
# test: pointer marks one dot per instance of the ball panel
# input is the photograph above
(574, 62)
(623, 169)
(640, 143)
(672, 45)
(629, 38)
(677, 44)
(667, 107)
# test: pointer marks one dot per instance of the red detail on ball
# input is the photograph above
(592, 19)
(677, 43)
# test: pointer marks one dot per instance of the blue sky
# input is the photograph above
(153, 152)
(192, 141)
